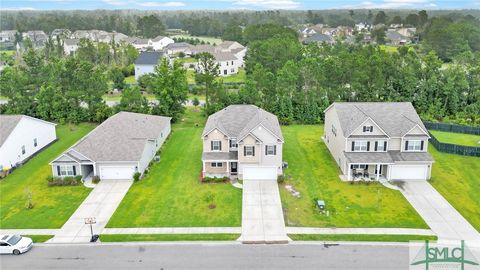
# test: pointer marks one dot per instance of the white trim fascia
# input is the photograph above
(368, 117)
(417, 125)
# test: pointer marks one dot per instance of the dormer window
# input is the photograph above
(367, 128)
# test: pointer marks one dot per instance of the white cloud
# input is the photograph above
(394, 4)
(19, 8)
(116, 2)
(269, 4)
(161, 4)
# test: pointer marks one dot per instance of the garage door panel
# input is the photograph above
(259, 173)
(117, 172)
(409, 172)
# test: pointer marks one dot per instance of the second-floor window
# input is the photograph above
(381, 146)
(216, 146)
(414, 145)
(270, 150)
(334, 130)
(360, 146)
(23, 149)
(249, 151)
(367, 128)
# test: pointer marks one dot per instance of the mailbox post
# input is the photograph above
(91, 221)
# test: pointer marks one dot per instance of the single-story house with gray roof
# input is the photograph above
(242, 141)
(119, 147)
(378, 140)
(146, 63)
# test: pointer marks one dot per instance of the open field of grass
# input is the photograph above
(167, 237)
(359, 237)
(457, 179)
(211, 40)
(52, 205)
(456, 138)
(315, 175)
(171, 194)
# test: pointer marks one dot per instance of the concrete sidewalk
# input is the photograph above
(262, 215)
(101, 203)
(174, 230)
(437, 212)
(386, 231)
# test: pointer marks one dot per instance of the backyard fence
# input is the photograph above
(452, 128)
(454, 148)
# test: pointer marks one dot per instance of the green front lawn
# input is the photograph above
(316, 175)
(171, 194)
(236, 78)
(457, 179)
(52, 205)
(359, 237)
(167, 237)
(39, 238)
(456, 138)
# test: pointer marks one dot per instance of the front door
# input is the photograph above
(233, 168)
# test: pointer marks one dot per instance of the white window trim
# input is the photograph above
(412, 145)
(270, 152)
(65, 170)
(217, 145)
(382, 143)
(360, 147)
(247, 152)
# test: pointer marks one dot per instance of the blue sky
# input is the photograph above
(235, 4)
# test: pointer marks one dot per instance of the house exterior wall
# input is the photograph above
(376, 129)
(216, 135)
(335, 143)
(78, 170)
(151, 148)
(231, 67)
(143, 69)
(216, 171)
(23, 135)
(366, 139)
(159, 45)
(69, 49)
(267, 138)
(249, 141)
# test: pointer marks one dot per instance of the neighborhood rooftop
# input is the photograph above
(149, 58)
(394, 118)
(9, 122)
(121, 137)
(237, 121)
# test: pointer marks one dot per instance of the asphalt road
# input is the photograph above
(209, 256)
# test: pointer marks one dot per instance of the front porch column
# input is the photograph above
(203, 171)
(378, 171)
(228, 168)
(349, 175)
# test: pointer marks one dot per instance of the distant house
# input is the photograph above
(229, 56)
(22, 136)
(70, 46)
(160, 42)
(181, 47)
(362, 26)
(140, 44)
(395, 38)
(8, 36)
(319, 38)
(38, 38)
(203, 48)
(119, 147)
(60, 33)
(228, 64)
(237, 49)
(146, 63)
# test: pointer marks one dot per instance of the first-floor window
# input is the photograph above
(359, 166)
(66, 170)
(232, 70)
(249, 150)
(35, 142)
(23, 149)
(217, 164)
(271, 150)
(225, 72)
(414, 145)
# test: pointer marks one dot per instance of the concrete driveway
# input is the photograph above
(438, 213)
(262, 216)
(101, 203)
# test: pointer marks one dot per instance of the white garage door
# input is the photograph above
(259, 173)
(117, 172)
(408, 172)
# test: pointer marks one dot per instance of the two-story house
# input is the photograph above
(378, 140)
(242, 141)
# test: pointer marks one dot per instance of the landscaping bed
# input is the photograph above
(171, 195)
(167, 237)
(52, 206)
(313, 172)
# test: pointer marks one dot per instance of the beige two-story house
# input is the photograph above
(378, 140)
(242, 141)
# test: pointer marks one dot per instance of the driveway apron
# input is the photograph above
(438, 213)
(101, 203)
(262, 216)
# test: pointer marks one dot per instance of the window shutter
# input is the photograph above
(244, 151)
(366, 167)
(58, 170)
(74, 170)
(368, 146)
(220, 145)
(364, 127)
(253, 150)
(385, 146)
(211, 145)
(421, 146)
(266, 149)
(353, 146)
(376, 145)
(371, 128)
(275, 150)
(406, 145)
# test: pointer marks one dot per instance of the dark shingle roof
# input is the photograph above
(8, 124)
(149, 58)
